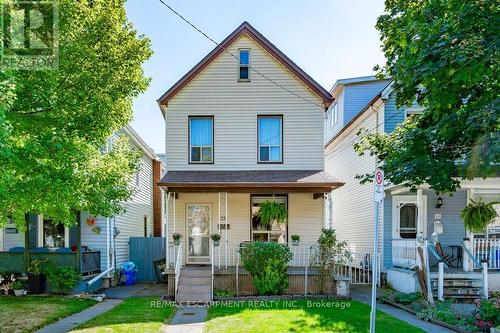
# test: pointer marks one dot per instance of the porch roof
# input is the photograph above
(254, 181)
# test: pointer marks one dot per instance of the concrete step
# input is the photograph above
(188, 289)
(195, 281)
(189, 272)
(193, 297)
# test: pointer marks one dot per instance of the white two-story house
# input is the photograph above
(243, 126)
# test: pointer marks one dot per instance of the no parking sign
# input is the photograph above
(379, 185)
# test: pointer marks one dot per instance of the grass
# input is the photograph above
(140, 314)
(29, 313)
(300, 317)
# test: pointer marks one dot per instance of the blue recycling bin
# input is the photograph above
(497, 258)
(129, 270)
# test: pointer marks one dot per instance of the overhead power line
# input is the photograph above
(237, 58)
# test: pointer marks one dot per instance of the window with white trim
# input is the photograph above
(267, 233)
(270, 135)
(244, 65)
(201, 131)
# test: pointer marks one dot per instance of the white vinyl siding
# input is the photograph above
(353, 206)
(235, 107)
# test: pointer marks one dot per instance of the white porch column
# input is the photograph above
(420, 215)
(328, 201)
(467, 262)
(218, 227)
(225, 229)
(166, 207)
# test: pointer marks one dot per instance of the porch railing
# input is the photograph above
(404, 253)
(16, 261)
(487, 249)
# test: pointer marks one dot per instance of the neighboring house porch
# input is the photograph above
(53, 243)
(432, 222)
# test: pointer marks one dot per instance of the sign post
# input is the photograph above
(378, 196)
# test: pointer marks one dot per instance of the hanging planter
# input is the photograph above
(295, 240)
(177, 238)
(216, 239)
(91, 222)
(271, 212)
(478, 214)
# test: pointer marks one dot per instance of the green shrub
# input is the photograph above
(330, 255)
(62, 279)
(267, 264)
(407, 299)
(488, 311)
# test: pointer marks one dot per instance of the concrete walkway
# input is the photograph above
(363, 294)
(187, 320)
(69, 323)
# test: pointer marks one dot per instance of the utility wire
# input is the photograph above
(237, 58)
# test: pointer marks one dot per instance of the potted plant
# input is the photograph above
(177, 238)
(478, 214)
(272, 212)
(18, 287)
(215, 239)
(295, 240)
(36, 278)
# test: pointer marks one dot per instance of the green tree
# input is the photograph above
(54, 123)
(444, 55)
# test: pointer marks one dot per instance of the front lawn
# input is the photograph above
(29, 313)
(141, 314)
(301, 316)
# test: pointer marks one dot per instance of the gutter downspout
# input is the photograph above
(109, 253)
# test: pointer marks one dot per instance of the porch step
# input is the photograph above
(459, 288)
(195, 284)
(189, 297)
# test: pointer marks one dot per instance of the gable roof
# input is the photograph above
(246, 28)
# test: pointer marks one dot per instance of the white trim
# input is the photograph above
(387, 91)
(39, 232)
(186, 245)
(136, 138)
(421, 222)
(1, 238)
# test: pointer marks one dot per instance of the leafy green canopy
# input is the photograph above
(445, 54)
(54, 122)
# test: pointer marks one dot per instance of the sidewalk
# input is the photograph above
(187, 320)
(69, 323)
(363, 294)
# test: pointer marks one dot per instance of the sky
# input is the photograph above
(328, 39)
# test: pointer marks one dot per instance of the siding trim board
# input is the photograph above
(247, 29)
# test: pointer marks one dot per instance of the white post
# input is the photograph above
(378, 197)
(225, 223)
(167, 225)
(175, 214)
(108, 245)
(441, 281)
(218, 227)
(484, 265)
(306, 274)
(430, 298)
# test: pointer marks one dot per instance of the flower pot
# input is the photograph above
(295, 242)
(114, 282)
(216, 242)
(106, 282)
(36, 283)
(20, 292)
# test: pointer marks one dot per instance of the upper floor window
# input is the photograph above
(201, 139)
(244, 66)
(270, 139)
(334, 116)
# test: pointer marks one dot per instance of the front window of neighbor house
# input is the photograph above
(277, 232)
(201, 145)
(53, 234)
(244, 66)
(270, 133)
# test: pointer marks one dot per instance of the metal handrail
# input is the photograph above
(177, 267)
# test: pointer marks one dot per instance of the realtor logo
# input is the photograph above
(29, 35)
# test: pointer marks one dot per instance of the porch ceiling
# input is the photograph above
(252, 181)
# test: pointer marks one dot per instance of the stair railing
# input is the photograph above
(177, 267)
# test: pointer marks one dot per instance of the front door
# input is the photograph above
(198, 233)
(405, 221)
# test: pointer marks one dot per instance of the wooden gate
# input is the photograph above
(143, 251)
